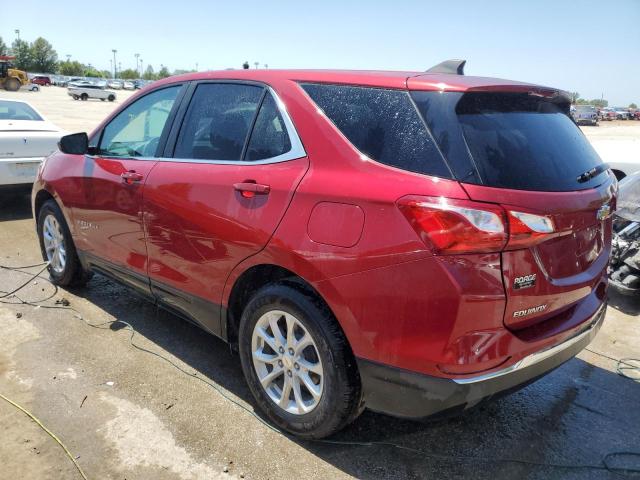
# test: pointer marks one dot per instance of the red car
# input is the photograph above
(41, 80)
(407, 242)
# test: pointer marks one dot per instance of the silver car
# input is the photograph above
(585, 115)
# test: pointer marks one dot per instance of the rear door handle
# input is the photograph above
(249, 189)
(131, 177)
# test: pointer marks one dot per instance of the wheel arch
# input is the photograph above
(252, 279)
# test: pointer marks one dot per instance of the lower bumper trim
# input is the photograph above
(406, 394)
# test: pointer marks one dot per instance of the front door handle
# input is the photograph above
(249, 189)
(131, 177)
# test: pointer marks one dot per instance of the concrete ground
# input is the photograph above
(128, 414)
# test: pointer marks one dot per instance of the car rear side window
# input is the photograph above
(218, 121)
(515, 140)
(382, 124)
(269, 137)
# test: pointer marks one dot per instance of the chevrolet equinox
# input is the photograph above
(408, 242)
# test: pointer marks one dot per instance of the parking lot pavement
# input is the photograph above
(128, 414)
(67, 113)
(616, 141)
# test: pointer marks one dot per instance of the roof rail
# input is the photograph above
(452, 67)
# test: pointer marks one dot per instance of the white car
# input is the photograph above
(128, 86)
(85, 92)
(26, 138)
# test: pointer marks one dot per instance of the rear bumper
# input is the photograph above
(406, 394)
(19, 171)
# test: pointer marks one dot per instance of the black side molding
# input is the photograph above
(451, 67)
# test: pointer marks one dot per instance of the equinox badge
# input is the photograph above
(529, 311)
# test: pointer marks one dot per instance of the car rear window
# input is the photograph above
(382, 124)
(17, 111)
(515, 140)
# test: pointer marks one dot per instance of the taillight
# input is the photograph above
(456, 226)
(462, 226)
(527, 229)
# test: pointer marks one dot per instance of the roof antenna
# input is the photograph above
(451, 67)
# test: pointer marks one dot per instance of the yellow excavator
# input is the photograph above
(11, 79)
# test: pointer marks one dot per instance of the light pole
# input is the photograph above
(17, 32)
(137, 55)
(141, 69)
(111, 65)
(115, 73)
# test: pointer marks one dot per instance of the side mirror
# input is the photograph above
(74, 144)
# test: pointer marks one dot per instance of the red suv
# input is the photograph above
(41, 80)
(408, 242)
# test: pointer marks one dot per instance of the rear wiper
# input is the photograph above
(589, 174)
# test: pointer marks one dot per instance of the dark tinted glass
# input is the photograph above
(509, 140)
(10, 110)
(269, 137)
(217, 121)
(524, 142)
(382, 124)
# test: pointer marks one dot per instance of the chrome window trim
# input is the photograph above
(296, 151)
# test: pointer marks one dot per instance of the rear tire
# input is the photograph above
(58, 249)
(84, 97)
(76, 97)
(111, 98)
(312, 361)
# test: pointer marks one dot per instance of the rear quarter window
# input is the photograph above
(382, 124)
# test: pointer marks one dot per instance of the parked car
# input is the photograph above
(87, 91)
(585, 114)
(621, 113)
(635, 115)
(410, 243)
(115, 84)
(26, 137)
(128, 85)
(30, 87)
(140, 84)
(607, 114)
(41, 80)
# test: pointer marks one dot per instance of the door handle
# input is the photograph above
(131, 176)
(249, 189)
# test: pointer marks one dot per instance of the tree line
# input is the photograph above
(39, 56)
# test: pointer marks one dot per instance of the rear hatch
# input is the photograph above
(520, 149)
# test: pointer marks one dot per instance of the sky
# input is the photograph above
(588, 46)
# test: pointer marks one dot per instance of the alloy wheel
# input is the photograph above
(54, 243)
(287, 362)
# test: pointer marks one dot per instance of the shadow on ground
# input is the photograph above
(15, 203)
(574, 416)
(629, 304)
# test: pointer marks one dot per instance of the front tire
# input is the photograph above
(297, 362)
(58, 249)
(84, 97)
(111, 98)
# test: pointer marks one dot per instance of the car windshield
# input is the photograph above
(17, 111)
